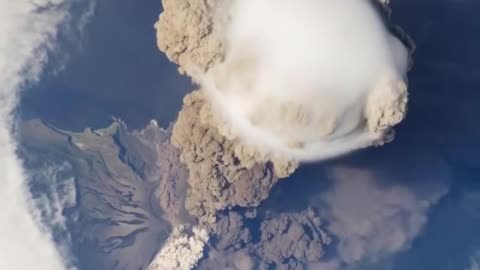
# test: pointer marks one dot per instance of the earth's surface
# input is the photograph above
(92, 150)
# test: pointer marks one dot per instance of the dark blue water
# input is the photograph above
(115, 71)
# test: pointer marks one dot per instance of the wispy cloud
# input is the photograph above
(29, 29)
(474, 262)
(53, 191)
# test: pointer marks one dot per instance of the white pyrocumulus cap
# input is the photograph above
(307, 79)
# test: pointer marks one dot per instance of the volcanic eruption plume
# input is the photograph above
(280, 82)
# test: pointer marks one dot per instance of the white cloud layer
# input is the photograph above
(28, 29)
(308, 79)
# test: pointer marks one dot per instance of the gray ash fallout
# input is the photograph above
(190, 196)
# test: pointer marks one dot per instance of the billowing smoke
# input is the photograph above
(250, 60)
(307, 79)
(182, 251)
(29, 30)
